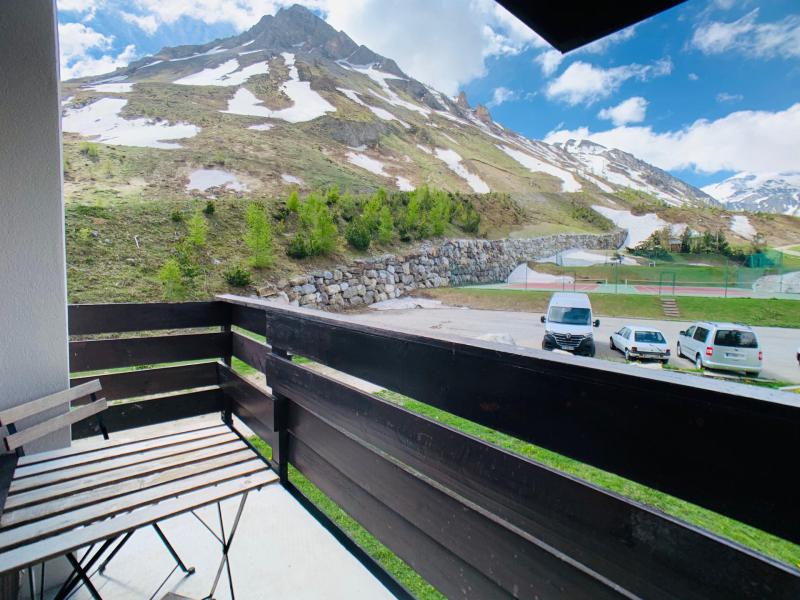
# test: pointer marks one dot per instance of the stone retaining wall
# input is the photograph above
(435, 264)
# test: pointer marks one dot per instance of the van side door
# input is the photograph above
(700, 337)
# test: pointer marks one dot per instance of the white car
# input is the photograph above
(723, 346)
(635, 341)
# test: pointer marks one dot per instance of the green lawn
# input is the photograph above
(753, 311)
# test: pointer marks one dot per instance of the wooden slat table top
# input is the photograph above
(68, 499)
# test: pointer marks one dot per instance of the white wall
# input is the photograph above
(33, 320)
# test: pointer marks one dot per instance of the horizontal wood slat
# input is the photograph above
(574, 517)
(13, 414)
(86, 319)
(250, 351)
(33, 433)
(139, 413)
(144, 382)
(678, 434)
(129, 352)
(451, 575)
(248, 318)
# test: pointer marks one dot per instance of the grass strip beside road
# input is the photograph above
(760, 312)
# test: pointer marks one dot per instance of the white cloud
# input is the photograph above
(754, 141)
(604, 43)
(726, 97)
(693, 77)
(500, 95)
(583, 83)
(147, 23)
(745, 35)
(440, 42)
(631, 110)
(549, 61)
(87, 7)
(79, 46)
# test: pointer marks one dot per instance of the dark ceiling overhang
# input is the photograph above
(569, 24)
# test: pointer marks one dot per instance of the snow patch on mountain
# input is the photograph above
(214, 50)
(741, 226)
(101, 120)
(111, 88)
(291, 179)
(403, 184)
(306, 103)
(639, 227)
(227, 74)
(204, 179)
(390, 97)
(568, 181)
(381, 113)
(453, 160)
(365, 162)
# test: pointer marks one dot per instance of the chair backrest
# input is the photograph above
(14, 440)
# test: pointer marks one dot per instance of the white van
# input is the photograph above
(724, 346)
(568, 324)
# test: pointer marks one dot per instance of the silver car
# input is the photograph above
(723, 346)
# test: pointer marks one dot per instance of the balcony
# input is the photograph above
(472, 518)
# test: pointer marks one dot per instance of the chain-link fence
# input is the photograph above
(763, 274)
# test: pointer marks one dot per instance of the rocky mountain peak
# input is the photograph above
(482, 114)
(462, 102)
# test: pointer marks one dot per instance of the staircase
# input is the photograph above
(670, 308)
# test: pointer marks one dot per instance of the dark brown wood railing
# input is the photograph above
(476, 520)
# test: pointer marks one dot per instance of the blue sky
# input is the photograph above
(705, 90)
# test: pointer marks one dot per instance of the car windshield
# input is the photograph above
(650, 337)
(736, 338)
(570, 316)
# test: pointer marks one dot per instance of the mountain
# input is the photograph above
(294, 102)
(771, 192)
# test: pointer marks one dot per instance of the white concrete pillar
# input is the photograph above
(33, 295)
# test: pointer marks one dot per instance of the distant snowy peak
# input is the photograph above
(625, 170)
(764, 192)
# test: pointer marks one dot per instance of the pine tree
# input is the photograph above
(197, 230)
(259, 237)
(171, 278)
(385, 226)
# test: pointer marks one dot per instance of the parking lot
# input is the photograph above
(779, 344)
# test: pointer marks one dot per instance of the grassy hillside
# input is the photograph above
(117, 245)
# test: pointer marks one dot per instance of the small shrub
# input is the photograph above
(171, 279)
(358, 234)
(84, 234)
(89, 150)
(238, 276)
(198, 230)
(293, 202)
(297, 248)
(332, 196)
(210, 208)
(259, 237)
(470, 219)
(176, 216)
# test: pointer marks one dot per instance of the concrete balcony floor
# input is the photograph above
(279, 551)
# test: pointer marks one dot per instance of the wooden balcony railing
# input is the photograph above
(473, 519)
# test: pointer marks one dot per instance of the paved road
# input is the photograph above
(779, 344)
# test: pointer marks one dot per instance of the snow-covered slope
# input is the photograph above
(766, 192)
